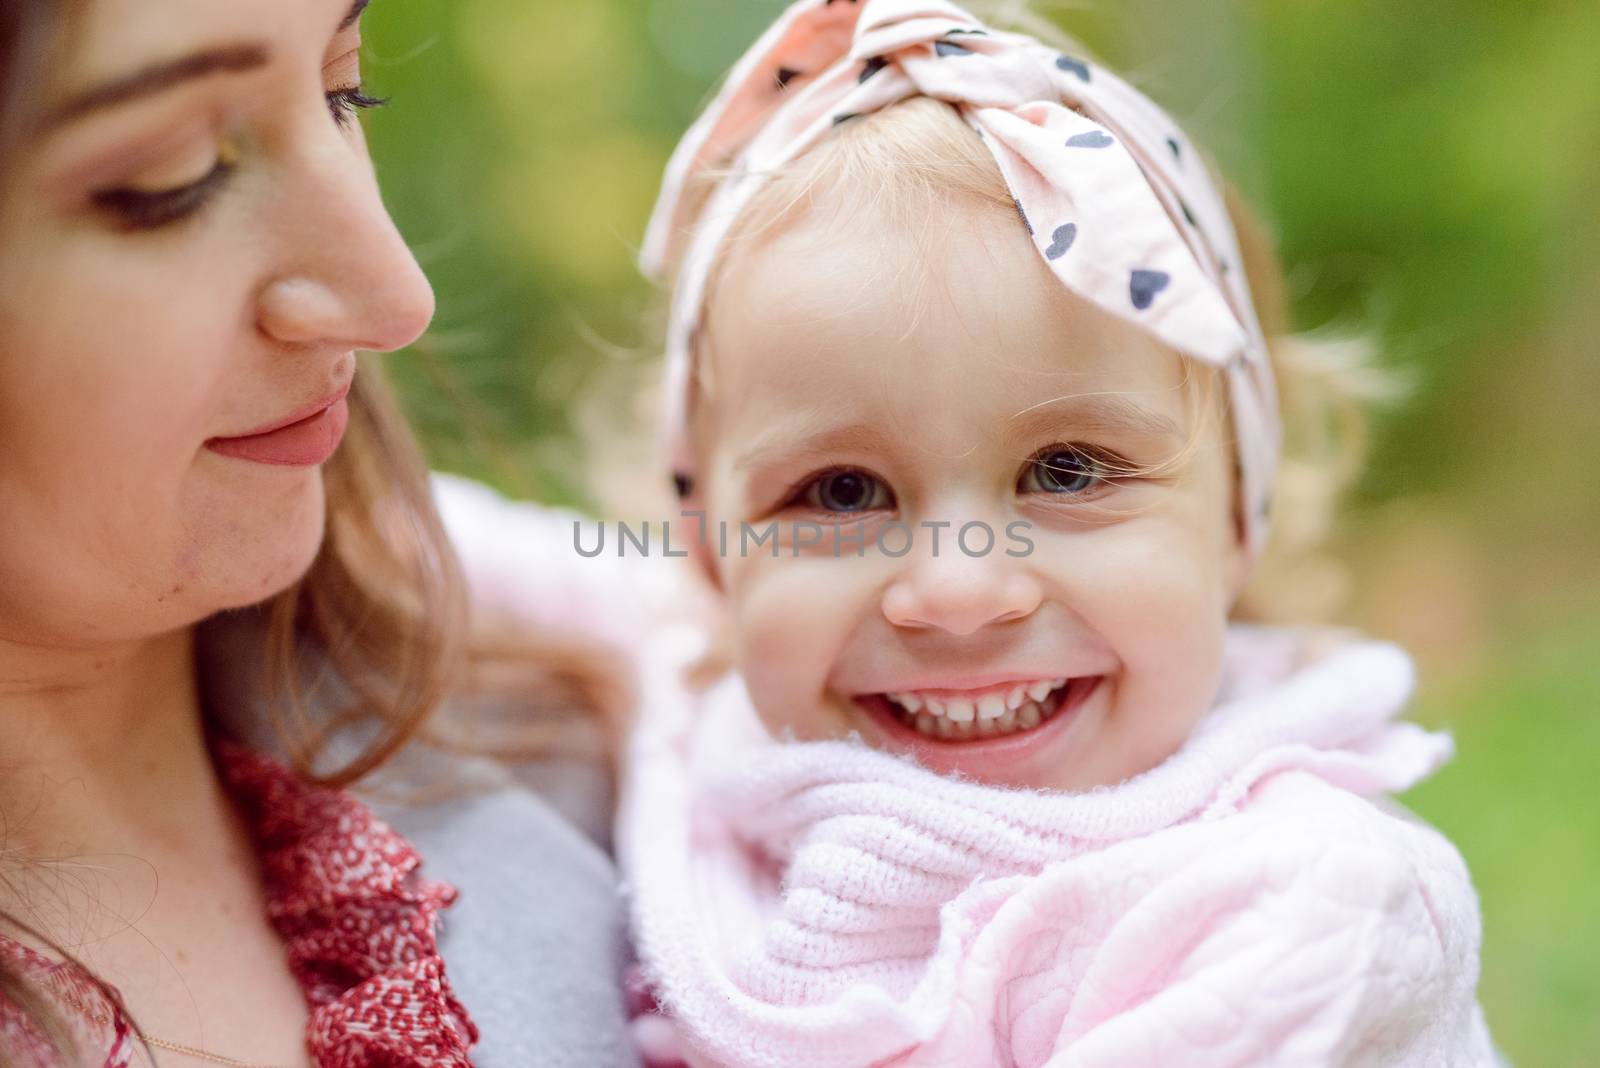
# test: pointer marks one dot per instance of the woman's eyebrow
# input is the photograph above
(228, 59)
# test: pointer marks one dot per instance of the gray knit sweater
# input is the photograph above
(535, 945)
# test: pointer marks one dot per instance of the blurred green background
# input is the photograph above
(1430, 168)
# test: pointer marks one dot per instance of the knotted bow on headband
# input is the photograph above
(1119, 205)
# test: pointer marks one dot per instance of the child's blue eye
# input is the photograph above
(847, 491)
(1061, 469)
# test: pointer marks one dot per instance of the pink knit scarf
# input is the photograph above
(831, 905)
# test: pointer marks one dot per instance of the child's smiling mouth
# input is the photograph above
(993, 720)
(955, 715)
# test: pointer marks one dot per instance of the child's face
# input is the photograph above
(863, 375)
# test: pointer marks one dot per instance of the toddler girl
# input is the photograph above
(970, 381)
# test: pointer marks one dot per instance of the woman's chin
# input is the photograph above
(265, 551)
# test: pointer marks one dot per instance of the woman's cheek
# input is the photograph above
(113, 499)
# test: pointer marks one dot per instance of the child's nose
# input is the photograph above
(960, 595)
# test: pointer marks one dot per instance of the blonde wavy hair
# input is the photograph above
(921, 149)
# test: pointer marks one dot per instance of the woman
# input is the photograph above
(192, 252)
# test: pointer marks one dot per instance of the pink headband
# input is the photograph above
(1118, 202)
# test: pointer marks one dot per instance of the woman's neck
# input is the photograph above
(103, 752)
(120, 846)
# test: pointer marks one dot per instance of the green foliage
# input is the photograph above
(1519, 802)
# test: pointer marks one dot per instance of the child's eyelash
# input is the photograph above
(1107, 463)
(796, 495)
(344, 103)
(1081, 474)
(1058, 468)
(796, 490)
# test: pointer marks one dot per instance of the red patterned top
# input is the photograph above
(357, 919)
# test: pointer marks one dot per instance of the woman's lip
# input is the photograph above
(977, 756)
(299, 416)
(306, 439)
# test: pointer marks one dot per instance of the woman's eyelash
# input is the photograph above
(344, 103)
(140, 209)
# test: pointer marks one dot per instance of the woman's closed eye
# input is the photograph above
(173, 192)
(844, 491)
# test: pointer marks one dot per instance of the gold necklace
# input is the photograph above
(161, 1043)
(198, 1054)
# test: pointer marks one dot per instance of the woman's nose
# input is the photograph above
(961, 594)
(344, 277)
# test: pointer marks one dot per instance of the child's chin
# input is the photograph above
(1047, 755)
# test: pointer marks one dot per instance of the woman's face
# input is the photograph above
(192, 249)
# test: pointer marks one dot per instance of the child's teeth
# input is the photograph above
(1021, 708)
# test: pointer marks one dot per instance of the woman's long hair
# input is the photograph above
(382, 613)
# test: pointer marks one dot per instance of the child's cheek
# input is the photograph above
(1147, 591)
(791, 617)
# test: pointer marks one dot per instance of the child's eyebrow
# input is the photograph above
(1108, 412)
(782, 442)
(1082, 412)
